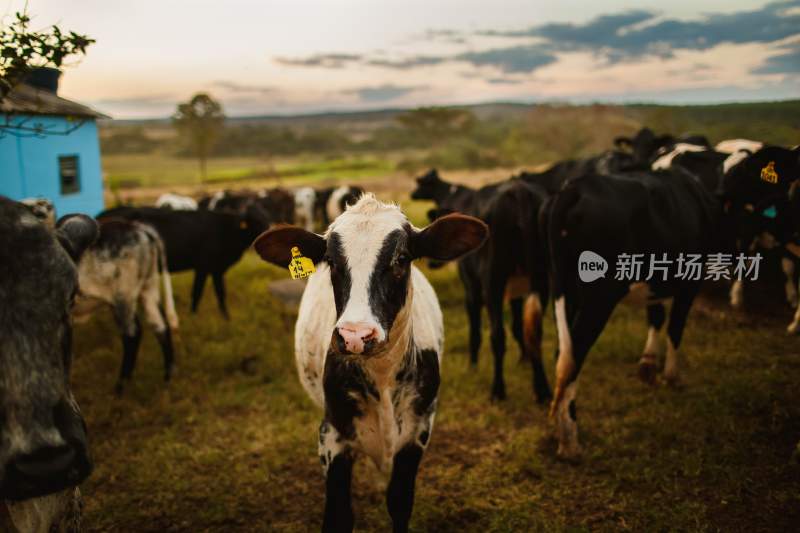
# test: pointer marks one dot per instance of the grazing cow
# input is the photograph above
(44, 452)
(646, 144)
(560, 173)
(176, 202)
(233, 202)
(204, 241)
(122, 269)
(760, 196)
(636, 213)
(368, 342)
(511, 265)
(43, 209)
(304, 200)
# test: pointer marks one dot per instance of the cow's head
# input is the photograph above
(43, 446)
(367, 252)
(430, 186)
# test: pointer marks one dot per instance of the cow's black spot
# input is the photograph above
(423, 437)
(342, 377)
(572, 412)
(421, 371)
(388, 282)
(340, 272)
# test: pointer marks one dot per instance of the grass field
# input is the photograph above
(230, 444)
(164, 171)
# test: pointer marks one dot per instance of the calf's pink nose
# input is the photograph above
(355, 334)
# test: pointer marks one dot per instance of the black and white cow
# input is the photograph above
(204, 241)
(512, 265)
(42, 208)
(368, 342)
(760, 194)
(124, 269)
(44, 452)
(304, 200)
(332, 201)
(637, 213)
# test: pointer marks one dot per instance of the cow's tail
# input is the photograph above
(169, 300)
(563, 279)
(163, 271)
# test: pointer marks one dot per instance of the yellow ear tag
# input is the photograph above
(300, 267)
(768, 173)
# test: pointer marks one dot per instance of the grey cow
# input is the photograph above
(124, 269)
(43, 450)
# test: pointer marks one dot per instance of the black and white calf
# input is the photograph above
(304, 200)
(124, 269)
(43, 450)
(368, 342)
(176, 202)
(639, 213)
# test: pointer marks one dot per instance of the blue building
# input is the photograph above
(49, 147)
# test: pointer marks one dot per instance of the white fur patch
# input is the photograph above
(665, 160)
(564, 339)
(176, 202)
(304, 199)
(734, 159)
(731, 146)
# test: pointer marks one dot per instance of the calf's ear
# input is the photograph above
(275, 245)
(450, 237)
(76, 233)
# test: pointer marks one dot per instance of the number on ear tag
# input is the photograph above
(300, 267)
(768, 173)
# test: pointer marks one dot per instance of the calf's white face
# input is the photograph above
(369, 250)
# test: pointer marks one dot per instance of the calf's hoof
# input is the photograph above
(648, 369)
(498, 393)
(569, 452)
(673, 381)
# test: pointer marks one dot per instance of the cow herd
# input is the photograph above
(369, 334)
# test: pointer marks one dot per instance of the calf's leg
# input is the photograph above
(473, 301)
(131, 330)
(400, 493)
(219, 287)
(532, 321)
(648, 364)
(677, 322)
(517, 328)
(498, 338)
(578, 329)
(337, 463)
(197, 288)
(154, 316)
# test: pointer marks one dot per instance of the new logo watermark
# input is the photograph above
(646, 267)
(591, 266)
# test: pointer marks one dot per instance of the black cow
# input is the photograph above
(43, 450)
(636, 213)
(645, 145)
(554, 178)
(511, 264)
(204, 241)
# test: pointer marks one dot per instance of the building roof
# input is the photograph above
(27, 100)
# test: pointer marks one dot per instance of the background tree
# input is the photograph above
(435, 124)
(22, 49)
(200, 121)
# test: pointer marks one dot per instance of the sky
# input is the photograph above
(302, 56)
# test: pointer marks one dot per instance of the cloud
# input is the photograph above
(786, 63)
(320, 60)
(240, 88)
(382, 93)
(514, 59)
(633, 35)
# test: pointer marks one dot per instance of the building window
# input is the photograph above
(68, 173)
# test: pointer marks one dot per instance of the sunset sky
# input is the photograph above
(297, 56)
